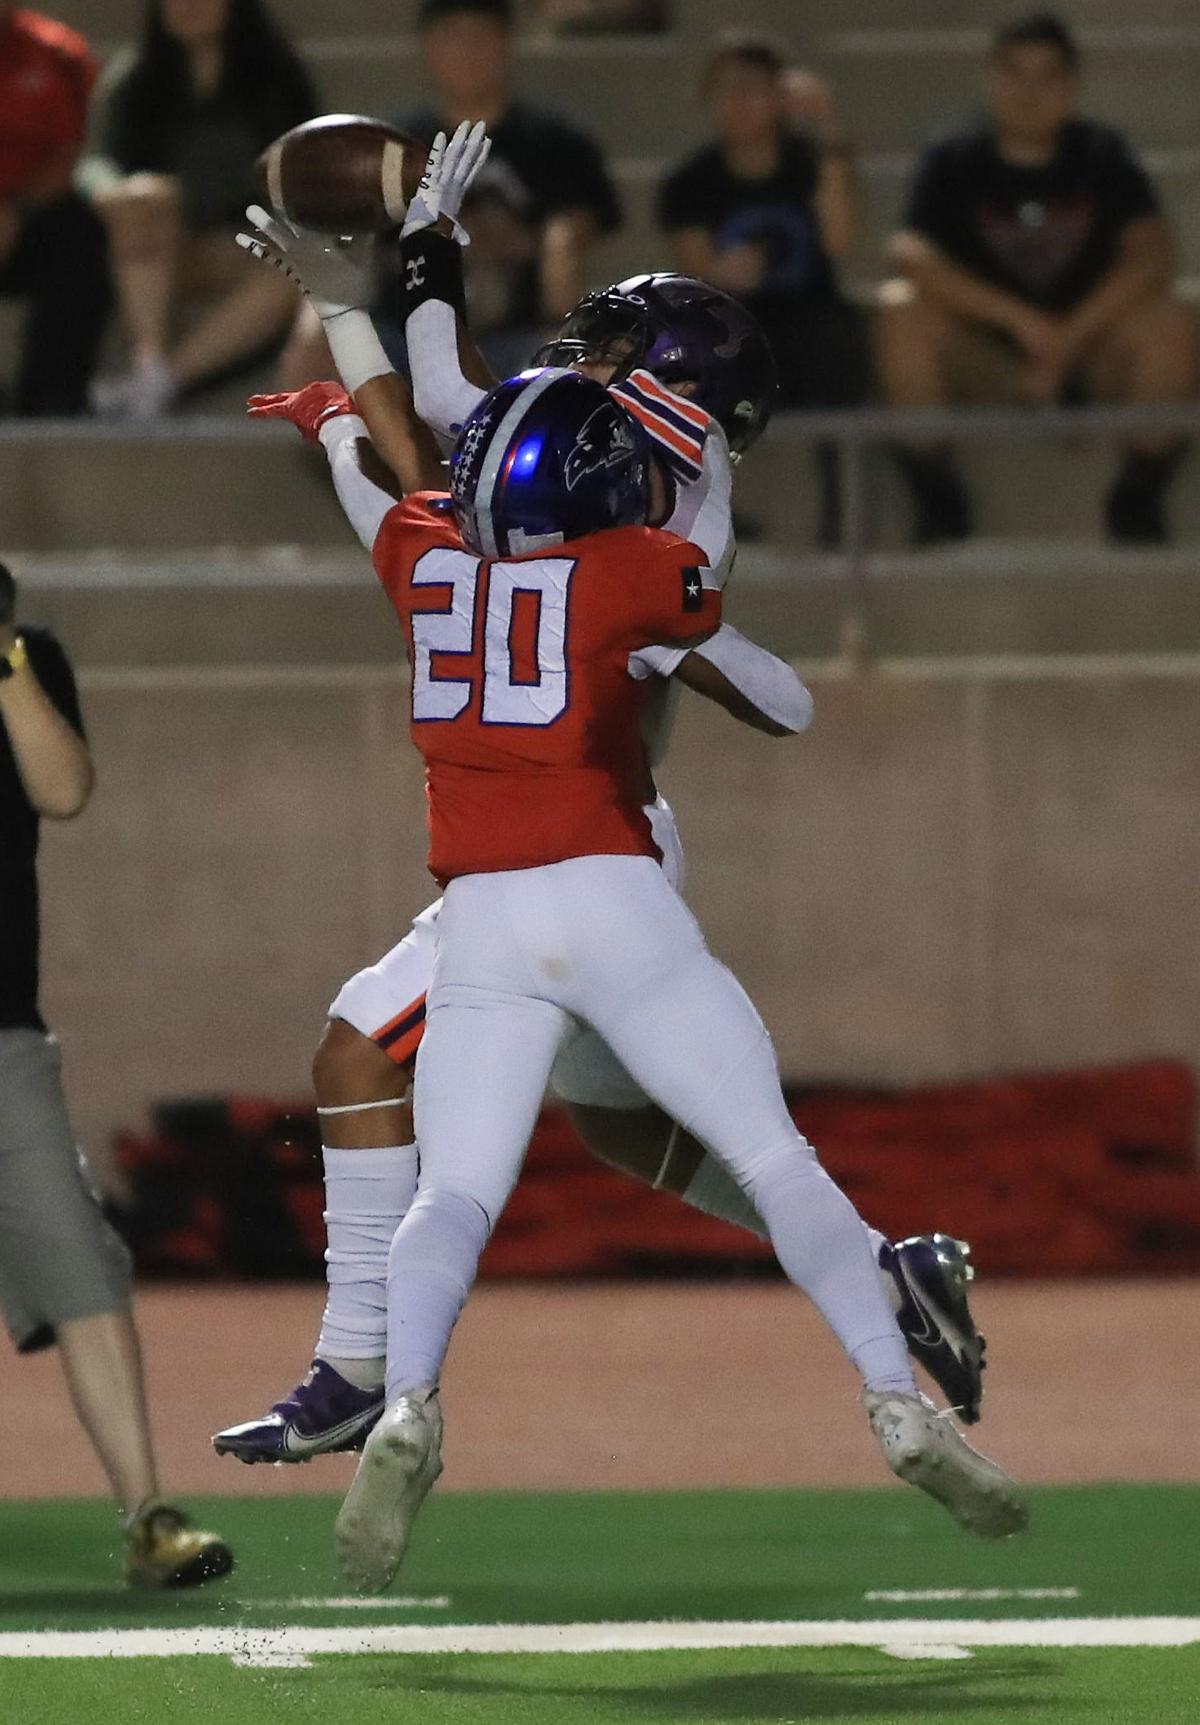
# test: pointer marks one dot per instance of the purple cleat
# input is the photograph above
(932, 1273)
(322, 1416)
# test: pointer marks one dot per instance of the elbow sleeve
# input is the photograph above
(767, 683)
(442, 396)
(364, 503)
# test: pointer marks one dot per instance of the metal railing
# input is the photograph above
(860, 434)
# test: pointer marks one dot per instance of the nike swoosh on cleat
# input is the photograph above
(304, 1447)
(933, 1333)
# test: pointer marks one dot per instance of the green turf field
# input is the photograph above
(1092, 1619)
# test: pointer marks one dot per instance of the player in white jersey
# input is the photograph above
(557, 911)
(377, 1020)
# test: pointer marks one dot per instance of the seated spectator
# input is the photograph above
(182, 120)
(535, 212)
(764, 212)
(52, 252)
(595, 17)
(1036, 267)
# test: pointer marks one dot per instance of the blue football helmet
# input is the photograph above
(546, 457)
(684, 331)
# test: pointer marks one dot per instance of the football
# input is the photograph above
(342, 174)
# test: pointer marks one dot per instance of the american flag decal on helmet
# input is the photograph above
(677, 426)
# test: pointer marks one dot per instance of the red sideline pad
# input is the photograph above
(1088, 1172)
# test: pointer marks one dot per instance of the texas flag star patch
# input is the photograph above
(693, 590)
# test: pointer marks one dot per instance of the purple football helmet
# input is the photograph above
(683, 331)
(547, 457)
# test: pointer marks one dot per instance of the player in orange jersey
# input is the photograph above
(719, 396)
(522, 596)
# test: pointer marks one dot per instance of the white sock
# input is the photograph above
(363, 1374)
(714, 1191)
(823, 1246)
(434, 1259)
(878, 1243)
(367, 1195)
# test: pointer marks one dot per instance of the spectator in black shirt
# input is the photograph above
(765, 212)
(181, 121)
(533, 215)
(64, 1275)
(1037, 266)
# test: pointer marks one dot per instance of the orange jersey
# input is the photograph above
(522, 703)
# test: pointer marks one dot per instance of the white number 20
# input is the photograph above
(506, 701)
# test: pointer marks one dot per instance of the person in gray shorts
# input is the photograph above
(64, 1274)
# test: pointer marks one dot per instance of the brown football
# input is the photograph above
(342, 174)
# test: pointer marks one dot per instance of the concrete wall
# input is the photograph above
(959, 870)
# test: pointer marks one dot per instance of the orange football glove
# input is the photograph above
(308, 408)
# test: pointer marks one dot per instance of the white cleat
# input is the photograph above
(923, 1448)
(400, 1462)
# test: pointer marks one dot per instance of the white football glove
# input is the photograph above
(447, 179)
(338, 275)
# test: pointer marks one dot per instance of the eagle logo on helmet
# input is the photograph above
(735, 338)
(599, 447)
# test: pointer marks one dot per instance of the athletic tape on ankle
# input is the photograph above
(365, 1107)
(666, 1161)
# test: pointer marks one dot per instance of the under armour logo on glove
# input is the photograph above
(415, 273)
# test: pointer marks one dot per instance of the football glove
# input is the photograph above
(308, 409)
(337, 275)
(447, 178)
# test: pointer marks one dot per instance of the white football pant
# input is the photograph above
(523, 958)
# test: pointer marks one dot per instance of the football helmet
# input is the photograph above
(547, 457)
(684, 331)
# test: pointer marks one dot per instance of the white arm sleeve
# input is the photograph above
(767, 682)
(364, 502)
(442, 396)
(656, 662)
(704, 509)
(356, 348)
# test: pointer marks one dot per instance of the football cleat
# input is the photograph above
(322, 1416)
(931, 1273)
(163, 1549)
(400, 1462)
(923, 1448)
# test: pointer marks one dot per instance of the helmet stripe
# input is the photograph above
(687, 410)
(489, 472)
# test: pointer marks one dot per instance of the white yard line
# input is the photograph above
(916, 1650)
(910, 1638)
(265, 1660)
(928, 1595)
(352, 1602)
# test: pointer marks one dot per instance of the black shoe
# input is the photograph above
(1135, 509)
(163, 1549)
(931, 1273)
(942, 513)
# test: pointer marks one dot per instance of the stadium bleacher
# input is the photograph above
(899, 81)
